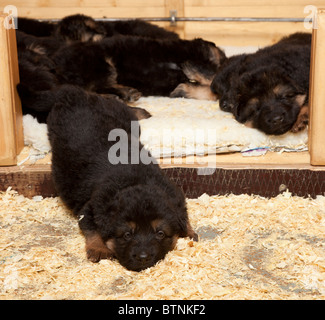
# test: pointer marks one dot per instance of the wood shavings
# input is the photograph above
(250, 248)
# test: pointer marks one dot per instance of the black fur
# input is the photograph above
(84, 28)
(137, 27)
(128, 211)
(153, 67)
(36, 72)
(79, 27)
(36, 27)
(147, 60)
(267, 89)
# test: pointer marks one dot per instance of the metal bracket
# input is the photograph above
(173, 15)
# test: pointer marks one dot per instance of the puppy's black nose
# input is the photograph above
(277, 120)
(142, 257)
(224, 105)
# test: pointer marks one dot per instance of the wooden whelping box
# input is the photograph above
(11, 127)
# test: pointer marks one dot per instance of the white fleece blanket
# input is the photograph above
(181, 127)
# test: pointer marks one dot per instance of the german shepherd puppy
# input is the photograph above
(131, 212)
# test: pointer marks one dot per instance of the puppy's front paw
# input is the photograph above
(99, 253)
(130, 94)
(96, 248)
(141, 113)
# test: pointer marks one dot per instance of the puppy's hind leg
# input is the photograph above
(302, 120)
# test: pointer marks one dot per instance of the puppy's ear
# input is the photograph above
(102, 210)
(217, 56)
(186, 230)
(301, 99)
(219, 85)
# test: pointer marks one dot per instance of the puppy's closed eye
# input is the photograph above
(160, 235)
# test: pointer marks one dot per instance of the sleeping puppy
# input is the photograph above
(36, 27)
(87, 65)
(270, 101)
(35, 72)
(128, 211)
(226, 78)
(152, 67)
(137, 27)
(83, 28)
(199, 81)
(269, 89)
(79, 27)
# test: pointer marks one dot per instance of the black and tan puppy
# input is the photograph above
(128, 211)
(36, 27)
(152, 67)
(268, 90)
(36, 72)
(83, 28)
(79, 27)
(270, 100)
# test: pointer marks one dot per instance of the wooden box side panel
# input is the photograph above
(317, 93)
(222, 33)
(11, 124)
(7, 122)
(14, 80)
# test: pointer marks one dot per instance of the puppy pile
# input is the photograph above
(134, 58)
(76, 75)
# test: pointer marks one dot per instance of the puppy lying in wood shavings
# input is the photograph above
(257, 248)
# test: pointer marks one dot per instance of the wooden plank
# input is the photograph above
(317, 93)
(242, 33)
(11, 134)
(297, 160)
(225, 3)
(272, 160)
(31, 180)
(153, 3)
(95, 12)
(14, 72)
(245, 11)
(178, 6)
(84, 3)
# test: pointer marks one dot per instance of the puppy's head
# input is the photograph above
(207, 52)
(267, 99)
(279, 109)
(226, 79)
(143, 226)
(79, 28)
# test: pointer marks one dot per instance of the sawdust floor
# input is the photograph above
(250, 248)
